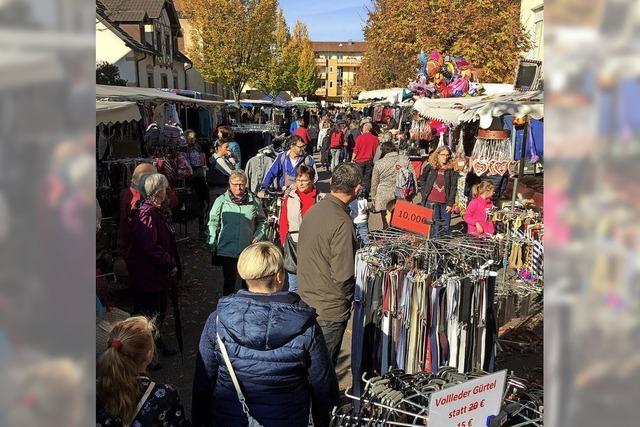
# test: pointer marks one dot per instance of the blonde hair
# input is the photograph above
(482, 188)
(367, 127)
(435, 161)
(154, 183)
(260, 262)
(238, 174)
(129, 344)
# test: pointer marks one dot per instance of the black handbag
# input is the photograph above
(290, 254)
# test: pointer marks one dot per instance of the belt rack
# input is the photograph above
(401, 399)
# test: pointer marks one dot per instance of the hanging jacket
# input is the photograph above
(279, 355)
(233, 227)
(256, 169)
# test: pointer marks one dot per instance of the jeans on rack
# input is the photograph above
(441, 219)
(333, 333)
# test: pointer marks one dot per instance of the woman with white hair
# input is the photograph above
(270, 340)
(152, 260)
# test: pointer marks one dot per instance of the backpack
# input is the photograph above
(405, 185)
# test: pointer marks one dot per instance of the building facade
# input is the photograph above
(141, 37)
(532, 19)
(337, 66)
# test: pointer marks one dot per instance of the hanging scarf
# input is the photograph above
(239, 200)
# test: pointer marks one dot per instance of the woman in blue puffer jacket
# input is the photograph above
(276, 349)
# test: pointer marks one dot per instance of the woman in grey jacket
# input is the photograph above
(385, 170)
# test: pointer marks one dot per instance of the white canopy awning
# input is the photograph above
(485, 108)
(116, 111)
(395, 94)
(126, 93)
(530, 103)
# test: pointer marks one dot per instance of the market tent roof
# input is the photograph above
(483, 108)
(381, 94)
(116, 111)
(529, 103)
(126, 93)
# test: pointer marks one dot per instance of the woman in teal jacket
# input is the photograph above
(236, 220)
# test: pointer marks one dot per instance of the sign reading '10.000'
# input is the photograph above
(411, 217)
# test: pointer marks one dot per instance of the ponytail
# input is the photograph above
(119, 366)
(481, 188)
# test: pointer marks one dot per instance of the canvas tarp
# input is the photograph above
(126, 93)
(116, 111)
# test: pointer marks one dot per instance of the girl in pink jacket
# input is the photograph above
(476, 214)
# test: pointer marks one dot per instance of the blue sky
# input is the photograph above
(328, 20)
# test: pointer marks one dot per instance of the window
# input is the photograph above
(158, 38)
(323, 84)
(150, 82)
(331, 69)
(175, 82)
(167, 46)
(331, 84)
(165, 81)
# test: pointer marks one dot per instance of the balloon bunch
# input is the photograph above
(444, 76)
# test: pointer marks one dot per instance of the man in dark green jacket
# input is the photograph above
(326, 256)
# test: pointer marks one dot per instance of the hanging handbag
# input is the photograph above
(290, 254)
(252, 422)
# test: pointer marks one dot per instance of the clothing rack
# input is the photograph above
(421, 304)
(254, 127)
(402, 399)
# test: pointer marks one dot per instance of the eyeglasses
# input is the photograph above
(301, 146)
(238, 184)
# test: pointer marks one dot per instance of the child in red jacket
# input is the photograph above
(476, 214)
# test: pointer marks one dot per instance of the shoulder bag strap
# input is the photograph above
(232, 373)
(143, 400)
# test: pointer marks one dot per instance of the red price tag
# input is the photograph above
(411, 217)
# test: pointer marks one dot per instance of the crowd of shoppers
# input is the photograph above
(268, 351)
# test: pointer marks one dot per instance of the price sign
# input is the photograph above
(411, 217)
(468, 404)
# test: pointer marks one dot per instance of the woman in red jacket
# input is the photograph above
(336, 144)
(297, 201)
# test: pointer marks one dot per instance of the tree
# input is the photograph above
(487, 33)
(301, 53)
(233, 39)
(306, 79)
(108, 74)
(349, 90)
(279, 74)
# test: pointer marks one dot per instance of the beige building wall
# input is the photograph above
(334, 70)
(110, 48)
(532, 19)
